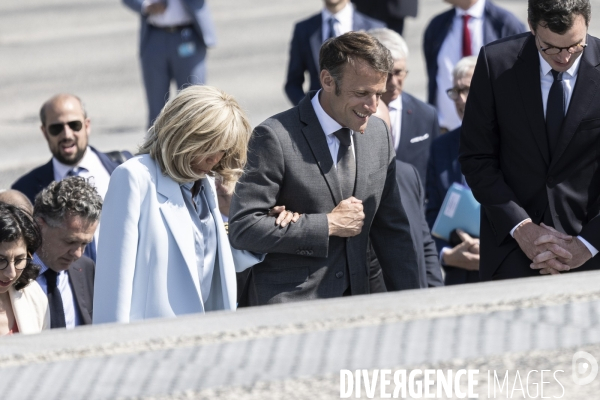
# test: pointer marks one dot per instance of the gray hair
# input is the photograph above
(465, 65)
(393, 41)
(72, 196)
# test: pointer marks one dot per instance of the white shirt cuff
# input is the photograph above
(444, 249)
(512, 231)
(587, 244)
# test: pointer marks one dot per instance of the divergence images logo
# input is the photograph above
(584, 368)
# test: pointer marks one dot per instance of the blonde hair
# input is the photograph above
(198, 122)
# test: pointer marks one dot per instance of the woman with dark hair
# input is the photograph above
(23, 304)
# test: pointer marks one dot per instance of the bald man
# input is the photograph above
(66, 128)
(17, 199)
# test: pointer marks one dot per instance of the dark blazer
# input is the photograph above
(506, 160)
(37, 179)
(497, 23)
(198, 9)
(419, 128)
(81, 277)
(289, 164)
(384, 9)
(443, 170)
(304, 52)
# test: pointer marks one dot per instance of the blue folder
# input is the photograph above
(460, 210)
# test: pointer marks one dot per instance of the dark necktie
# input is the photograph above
(346, 166)
(57, 312)
(555, 110)
(331, 22)
(466, 44)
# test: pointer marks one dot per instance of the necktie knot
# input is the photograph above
(343, 136)
(331, 24)
(557, 75)
(466, 18)
(76, 171)
(50, 275)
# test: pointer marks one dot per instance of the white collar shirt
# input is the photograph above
(450, 54)
(72, 318)
(569, 78)
(175, 14)
(330, 126)
(95, 172)
(395, 108)
(344, 21)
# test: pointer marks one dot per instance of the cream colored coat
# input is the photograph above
(30, 306)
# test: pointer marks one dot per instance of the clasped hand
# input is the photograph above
(551, 251)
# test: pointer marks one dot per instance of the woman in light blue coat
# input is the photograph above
(163, 250)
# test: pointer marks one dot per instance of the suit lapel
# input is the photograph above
(178, 220)
(77, 286)
(586, 86)
(405, 124)
(313, 132)
(361, 153)
(527, 72)
(489, 34)
(316, 40)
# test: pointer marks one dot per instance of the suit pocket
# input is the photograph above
(589, 124)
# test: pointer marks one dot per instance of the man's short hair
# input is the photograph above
(557, 15)
(349, 48)
(392, 41)
(53, 98)
(72, 196)
(465, 65)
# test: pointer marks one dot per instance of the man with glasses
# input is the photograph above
(67, 128)
(529, 144)
(414, 124)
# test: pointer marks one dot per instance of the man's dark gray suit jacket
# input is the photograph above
(81, 277)
(289, 164)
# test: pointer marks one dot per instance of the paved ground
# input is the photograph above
(90, 48)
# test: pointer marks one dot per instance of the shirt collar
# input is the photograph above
(545, 67)
(38, 261)
(345, 14)
(63, 169)
(396, 104)
(328, 124)
(476, 10)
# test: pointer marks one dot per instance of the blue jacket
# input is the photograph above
(497, 23)
(304, 52)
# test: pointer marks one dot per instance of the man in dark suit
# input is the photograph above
(460, 260)
(391, 12)
(414, 124)
(338, 17)
(457, 33)
(528, 145)
(66, 128)
(343, 202)
(67, 213)
(174, 38)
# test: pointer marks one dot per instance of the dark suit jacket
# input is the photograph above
(419, 128)
(413, 201)
(497, 23)
(385, 9)
(81, 277)
(505, 157)
(37, 179)
(289, 164)
(443, 170)
(198, 9)
(304, 52)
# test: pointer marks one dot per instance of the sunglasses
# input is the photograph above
(56, 129)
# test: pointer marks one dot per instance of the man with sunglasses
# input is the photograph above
(529, 141)
(66, 128)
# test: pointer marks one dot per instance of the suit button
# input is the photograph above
(299, 252)
(310, 252)
(339, 274)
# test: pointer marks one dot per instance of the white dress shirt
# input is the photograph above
(569, 78)
(395, 108)
(450, 54)
(344, 21)
(96, 174)
(175, 14)
(330, 126)
(72, 318)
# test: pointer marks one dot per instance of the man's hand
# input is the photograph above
(527, 234)
(347, 218)
(550, 263)
(284, 217)
(155, 8)
(464, 255)
(223, 197)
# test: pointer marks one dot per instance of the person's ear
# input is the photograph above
(327, 81)
(531, 28)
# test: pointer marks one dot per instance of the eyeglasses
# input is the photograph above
(19, 263)
(56, 129)
(552, 51)
(455, 92)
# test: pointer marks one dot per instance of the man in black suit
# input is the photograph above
(67, 213)
(336, 18)
(528, 145)
(414, 124)
(392, 12)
